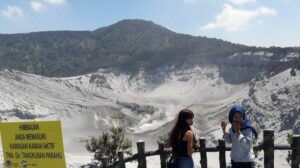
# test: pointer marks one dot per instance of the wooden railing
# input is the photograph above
(267, 146)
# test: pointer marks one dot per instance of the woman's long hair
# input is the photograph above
(180, 127)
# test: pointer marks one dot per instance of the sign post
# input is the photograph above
(32, 144)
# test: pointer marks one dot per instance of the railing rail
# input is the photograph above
(267, 146)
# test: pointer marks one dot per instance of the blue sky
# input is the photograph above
(250, 22)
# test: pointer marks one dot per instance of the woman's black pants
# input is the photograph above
(242, 164)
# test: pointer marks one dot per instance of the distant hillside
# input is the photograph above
(129, 46)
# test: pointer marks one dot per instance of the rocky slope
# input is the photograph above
(147, 105)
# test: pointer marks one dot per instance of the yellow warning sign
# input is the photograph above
(32, 144)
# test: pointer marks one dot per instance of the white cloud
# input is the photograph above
(241, 2)
(37, 5)
(13, 12)
(55, 2)
(233, 19)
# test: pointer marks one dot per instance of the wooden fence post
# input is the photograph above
(268, 145)
(141, 154)
(163, 155)
(222, 153)
(121, 159)
(203, 155)
(295, 151)
(104, 162)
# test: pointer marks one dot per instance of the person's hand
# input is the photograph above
(223, 125)
(237, 127)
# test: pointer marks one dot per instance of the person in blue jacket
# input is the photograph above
(242, 136)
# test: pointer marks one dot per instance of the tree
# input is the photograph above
(109, 144)
(290, 140)
(164, 139)
(293, 72)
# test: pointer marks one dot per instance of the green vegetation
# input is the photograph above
(293, 72)
(163, 138)
(130, 46)
(109, 144)
(290, 140)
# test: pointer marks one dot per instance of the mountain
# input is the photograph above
(138, 74)
(127, 46)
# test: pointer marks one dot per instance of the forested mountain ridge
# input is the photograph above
(129, 46)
